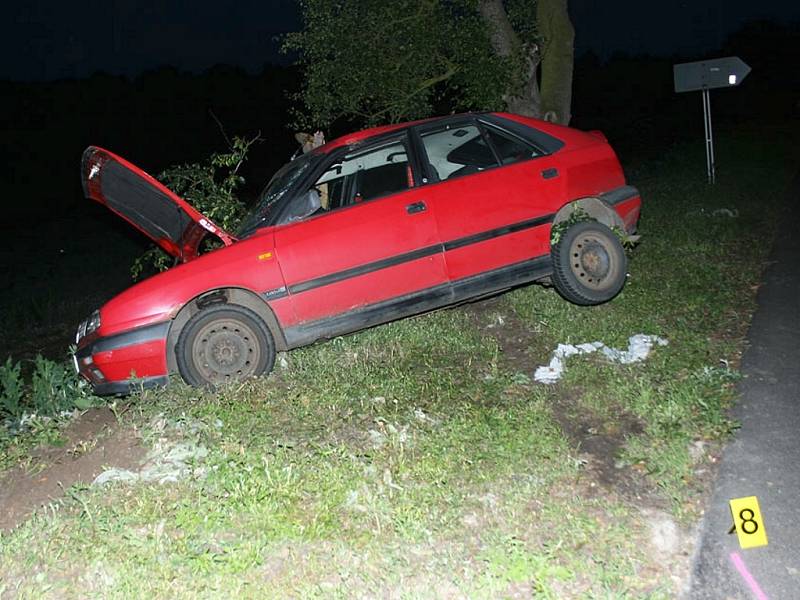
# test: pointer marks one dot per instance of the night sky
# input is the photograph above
(45, 40)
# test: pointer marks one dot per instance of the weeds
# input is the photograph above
(53, 388)
(12, 389)
(578, 215)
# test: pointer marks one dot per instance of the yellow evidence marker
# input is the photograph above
(747, 522)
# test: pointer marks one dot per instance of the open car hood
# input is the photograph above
(171, 222)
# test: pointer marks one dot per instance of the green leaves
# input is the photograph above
(211, 188)
(53, 387)
(11, 389)
(377, 62)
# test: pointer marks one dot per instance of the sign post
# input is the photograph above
(705, 75)
(710, 167)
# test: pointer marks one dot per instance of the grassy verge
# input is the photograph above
(419, 459)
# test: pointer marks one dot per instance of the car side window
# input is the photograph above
(366, 174)
(457, 150)
(509, 148)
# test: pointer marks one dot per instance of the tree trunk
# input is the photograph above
(523, 100)
(557, 56)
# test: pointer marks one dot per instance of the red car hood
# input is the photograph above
(171, 222)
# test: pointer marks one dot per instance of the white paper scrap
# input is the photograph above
(639, 347)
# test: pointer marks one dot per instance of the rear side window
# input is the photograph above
(456, 151)
(509, 148)
(546, 143)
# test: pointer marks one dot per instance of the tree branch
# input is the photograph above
(424, 85)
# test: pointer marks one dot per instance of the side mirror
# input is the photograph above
(303, 206)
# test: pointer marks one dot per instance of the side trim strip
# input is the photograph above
(626, 192)
(377, 265)
(392, 261)
(419, 302)
(500, 231)
(148, 333)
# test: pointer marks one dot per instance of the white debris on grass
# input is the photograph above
(426, 418)
(639, 347)
(282, 360)
(390, 433)
(166, 463)
(730, 213)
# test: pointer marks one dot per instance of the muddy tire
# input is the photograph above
(224, 343)
(589, 264)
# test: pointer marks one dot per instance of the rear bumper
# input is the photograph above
(628, 204)
(126, 361)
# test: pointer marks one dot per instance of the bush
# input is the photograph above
(54, 387)
(11, 389)
(210, 187)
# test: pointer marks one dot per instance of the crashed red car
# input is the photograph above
(371, 227)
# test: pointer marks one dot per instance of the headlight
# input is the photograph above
(93, 323)
(88, 326)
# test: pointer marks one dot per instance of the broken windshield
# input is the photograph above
(276, 189)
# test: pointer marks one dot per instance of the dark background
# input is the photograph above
(143, 79)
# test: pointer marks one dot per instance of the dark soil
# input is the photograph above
(597, 441)
(94, 442)
(600, 442)
(512, 335)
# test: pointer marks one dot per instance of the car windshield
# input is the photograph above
(276, 189)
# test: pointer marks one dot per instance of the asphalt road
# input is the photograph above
(763, 459)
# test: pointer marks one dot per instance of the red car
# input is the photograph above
(374, 226)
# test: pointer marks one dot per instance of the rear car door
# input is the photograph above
(493, 195)
(373, 243)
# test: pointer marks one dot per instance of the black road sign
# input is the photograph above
(709, 74)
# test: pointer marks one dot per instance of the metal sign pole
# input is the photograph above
(710, 166)
(705, 75)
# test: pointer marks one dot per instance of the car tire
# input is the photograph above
(589, 264)
(224, 343)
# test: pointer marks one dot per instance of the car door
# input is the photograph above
(373, 244)
(493, 195)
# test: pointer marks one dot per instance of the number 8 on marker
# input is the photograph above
(748, 522)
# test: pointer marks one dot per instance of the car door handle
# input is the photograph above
(416, 207)
(550, 173)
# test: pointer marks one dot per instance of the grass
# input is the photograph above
(417, 459)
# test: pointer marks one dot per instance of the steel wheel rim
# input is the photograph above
(226, 350)
(591, 261)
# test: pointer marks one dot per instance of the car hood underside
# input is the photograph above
(171, 222)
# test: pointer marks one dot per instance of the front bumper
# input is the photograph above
(124, 362)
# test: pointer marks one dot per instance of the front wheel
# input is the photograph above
(589, 264)
(224, 343)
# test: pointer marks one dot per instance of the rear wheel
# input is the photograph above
(224, 343)
(589, 264)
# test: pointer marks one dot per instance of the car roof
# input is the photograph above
(359, 136)
(550, 129)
